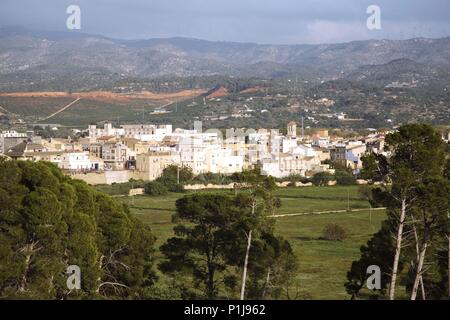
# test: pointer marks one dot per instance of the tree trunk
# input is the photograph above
(99, 279)
(416, 238)
(247, 253)
(397, 250)
(422, 287)
(419, 271)
(23, 282)
(28, 250)
(266, 284)
(448, 266)
(211, 286)
(244, 273)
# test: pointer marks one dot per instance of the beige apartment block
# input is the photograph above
(151, 165)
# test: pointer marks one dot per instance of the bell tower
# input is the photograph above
(292, 129)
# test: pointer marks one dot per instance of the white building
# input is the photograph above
(203, 152)
(147, 132)
(222, 160)
(77, 161)
(106, 131)
(138, 131)
(304, 150)
(288, 144)
(9, 139)
(285, 165)
(192, 153)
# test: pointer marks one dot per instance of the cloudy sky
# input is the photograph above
(262, 21)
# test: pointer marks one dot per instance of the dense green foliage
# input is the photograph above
(155, 188)
(116, 189)
(212, 178)
(174, 178)
(322, 178)
(217, 233)
(209, 248)
(49, 221)
(344, 178)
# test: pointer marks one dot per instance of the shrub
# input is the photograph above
(155, 188)
(184, 172)
(176, 188)
(345, 178)
(120, 188)
(334, 232)
(169, 178)
(321, 178)
(295, 178)
(213, 178)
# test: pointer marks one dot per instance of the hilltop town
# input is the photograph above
(108, 154)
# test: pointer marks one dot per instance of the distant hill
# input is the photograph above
(400, 73)
(26, 54)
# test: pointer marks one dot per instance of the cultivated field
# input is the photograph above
(323, 264)
(92, 107)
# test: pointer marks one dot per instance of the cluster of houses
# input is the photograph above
(143, 150)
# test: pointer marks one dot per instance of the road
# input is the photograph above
(61, 110)
(323, 212)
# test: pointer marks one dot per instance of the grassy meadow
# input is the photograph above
(323, 264)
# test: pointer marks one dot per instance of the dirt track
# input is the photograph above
(324, 212)
(62, 109)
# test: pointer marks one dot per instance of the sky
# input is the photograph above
(260, 21)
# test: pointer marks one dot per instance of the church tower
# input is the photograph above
(292, 129)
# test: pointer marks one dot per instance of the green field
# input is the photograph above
(82, 113)
(323, 264)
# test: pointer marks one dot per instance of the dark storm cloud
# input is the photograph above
(264, 21)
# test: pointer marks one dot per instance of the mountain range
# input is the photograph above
(46, 54)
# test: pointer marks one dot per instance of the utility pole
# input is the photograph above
(178, 174)
(303, 129)
(132, 194)
(348, 200)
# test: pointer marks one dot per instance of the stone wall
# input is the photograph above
(106, 177)
(208, 186)
(231, 185)
(92, 178)
(136, 192)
